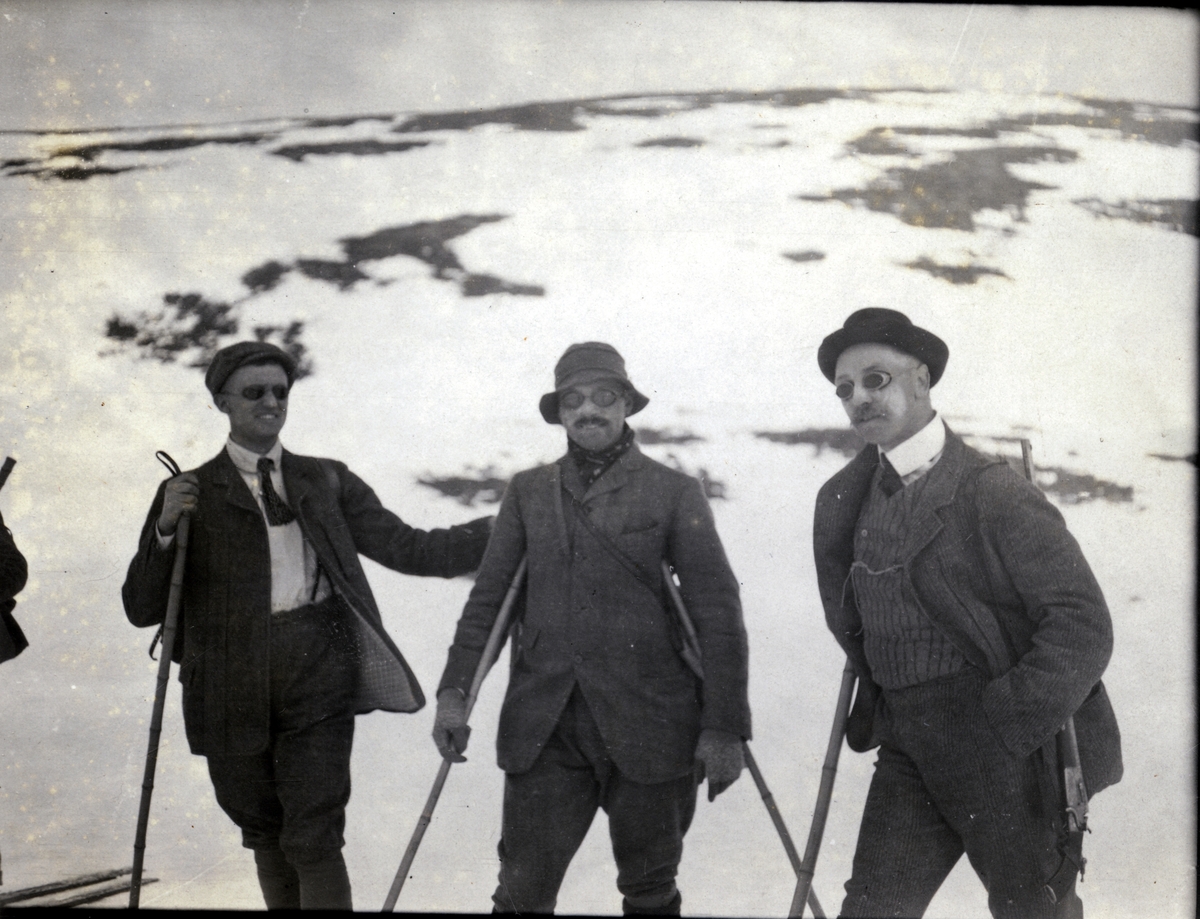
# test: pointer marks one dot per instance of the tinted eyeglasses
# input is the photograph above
(602, 398)
(872, 381)
(254, 393)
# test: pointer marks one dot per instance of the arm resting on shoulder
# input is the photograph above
(384, 538)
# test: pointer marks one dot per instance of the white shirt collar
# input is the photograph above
(919, 450)
(247, 460)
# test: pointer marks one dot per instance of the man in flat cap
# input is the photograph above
(976, 630)
(281, 641)
(601, 710)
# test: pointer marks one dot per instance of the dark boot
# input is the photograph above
(653, 905)
(325, 884)
(277, 878)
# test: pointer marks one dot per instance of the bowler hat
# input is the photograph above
(584, 363)
(229, 359)
(878, 326)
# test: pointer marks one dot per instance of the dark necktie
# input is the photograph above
(890, 480)
(278, 513)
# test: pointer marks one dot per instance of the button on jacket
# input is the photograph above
(589, 621)
(225, 619)
(991, 562)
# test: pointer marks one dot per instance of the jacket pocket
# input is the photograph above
(639, 526)
(1099, 741)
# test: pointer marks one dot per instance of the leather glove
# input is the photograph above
(719, 757)
(450, 730)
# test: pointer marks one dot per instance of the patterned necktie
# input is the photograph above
(278, 513)
(890, 480)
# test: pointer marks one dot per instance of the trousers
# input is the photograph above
(291, 798)
(944, 785)
(549, 809)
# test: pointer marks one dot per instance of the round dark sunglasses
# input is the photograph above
(254, 393)
(872, 381)
(574, 399)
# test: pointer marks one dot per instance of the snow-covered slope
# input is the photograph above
(431, 268)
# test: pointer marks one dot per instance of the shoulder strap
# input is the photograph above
(613, 549)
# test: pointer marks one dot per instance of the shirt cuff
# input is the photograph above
(164, 542)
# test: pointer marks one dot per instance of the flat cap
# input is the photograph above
(879, 326)
(229, 359)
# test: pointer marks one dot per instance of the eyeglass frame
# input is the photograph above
(886, 374)
(617, 394)
(274, 390)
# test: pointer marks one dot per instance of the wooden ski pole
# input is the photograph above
(170, 622)
(9, 462)
(691, 656)
(491, 651)
(808, 867)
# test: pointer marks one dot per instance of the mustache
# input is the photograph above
(866, 414)
(588, 419)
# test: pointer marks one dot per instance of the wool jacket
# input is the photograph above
(991, 562)
(589, 622)
(225, 620)
(13, 572)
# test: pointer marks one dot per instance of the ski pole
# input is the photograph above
(808, 867)
(7, 468)
(491, 651)
(691, 656)
(171, 620)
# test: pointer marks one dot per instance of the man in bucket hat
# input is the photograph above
(976, 630)
(281, 642)
(601, 711)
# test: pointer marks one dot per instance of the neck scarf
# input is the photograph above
(591, 464)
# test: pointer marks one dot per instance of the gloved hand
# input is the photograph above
(719, 757)
(450, 730)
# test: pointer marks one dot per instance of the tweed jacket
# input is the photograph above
(13, 572)
(225, 620)
(589, 622)
(991, 563)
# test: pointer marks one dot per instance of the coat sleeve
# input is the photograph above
(500, 563)
(148, 581)
(13, 570)
(710, 593)
(384, 538)
(1072, 630)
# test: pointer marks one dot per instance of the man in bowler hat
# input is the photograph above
(976, 630)
(601, 711)
(281, 642)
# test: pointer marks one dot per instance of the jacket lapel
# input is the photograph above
(615, 476)
(838, 510)
(304, 500)
(939, 492)
(225, 476)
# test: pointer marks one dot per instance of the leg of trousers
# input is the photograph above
(944, 785)
(549, 809)
(292, 796)
(277, 879)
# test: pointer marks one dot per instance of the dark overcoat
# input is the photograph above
(589, 622)
(225, 619)
(13, 572)
(991, 563)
